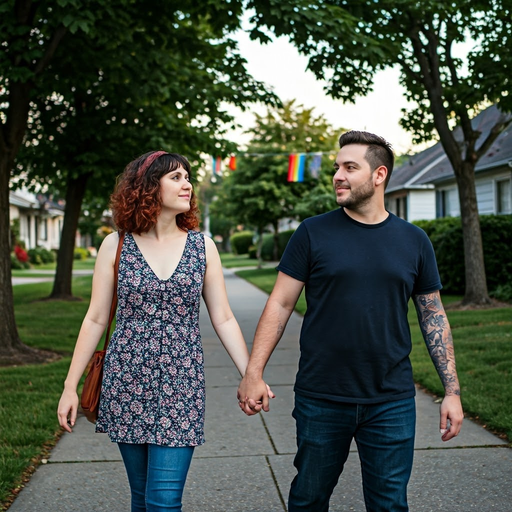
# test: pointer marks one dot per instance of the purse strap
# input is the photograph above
(113, 306)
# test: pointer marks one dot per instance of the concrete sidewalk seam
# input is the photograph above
(276, 483)
(269, 436)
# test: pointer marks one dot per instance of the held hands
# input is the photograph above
(253, 395)
(67, 410)
(451, 417)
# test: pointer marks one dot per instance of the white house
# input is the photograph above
(40, 220)
(425, 188)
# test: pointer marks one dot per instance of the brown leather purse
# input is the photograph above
(91, 391)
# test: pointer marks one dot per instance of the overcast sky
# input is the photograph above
(279, 65)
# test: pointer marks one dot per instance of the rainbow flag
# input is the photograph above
(296, 165)
(217, 165)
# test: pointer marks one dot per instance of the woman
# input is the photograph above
(153, 393)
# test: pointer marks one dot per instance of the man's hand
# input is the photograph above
(253, 395)
(451, 417)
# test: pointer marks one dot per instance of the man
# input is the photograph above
(360, 265)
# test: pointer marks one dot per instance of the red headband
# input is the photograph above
(149, 160)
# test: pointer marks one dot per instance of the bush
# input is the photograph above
(21, 254)
(16, 264)
(80, 253)
(503, 292)
(241, 241)
(267, 250)
(446, 237)
(253, 252)
(40, 255)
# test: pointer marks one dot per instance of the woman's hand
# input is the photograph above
(67, 409)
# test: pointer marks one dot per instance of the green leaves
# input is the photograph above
(258, 194)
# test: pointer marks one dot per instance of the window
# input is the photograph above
(447, 204)
(503, 201)
(401, 207)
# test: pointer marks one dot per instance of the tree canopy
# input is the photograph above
(86, 86)
(349, 41)
(258, 194)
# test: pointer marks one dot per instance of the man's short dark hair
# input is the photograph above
(379, 150)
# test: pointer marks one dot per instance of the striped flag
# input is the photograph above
(315, 165)
(217, 166)
(296, 165)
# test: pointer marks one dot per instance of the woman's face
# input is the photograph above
(176, 190)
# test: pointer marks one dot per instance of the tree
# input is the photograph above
(105, 106)
(257, 194)
(106, 47)
(349, 41)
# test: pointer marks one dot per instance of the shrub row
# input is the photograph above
(446, 237)
(241, 241)
(40, 255)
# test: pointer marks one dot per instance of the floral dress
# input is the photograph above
(153, 386)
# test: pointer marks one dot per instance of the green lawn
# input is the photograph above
(483, 351)
(35, 271)
(232, 260)
(29, 394)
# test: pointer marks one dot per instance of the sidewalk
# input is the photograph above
(246, 464)
(51, 274)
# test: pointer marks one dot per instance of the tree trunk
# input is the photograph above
(64, 273)
(260, 246)
(275, 252)
(476, 292)
(12, 350)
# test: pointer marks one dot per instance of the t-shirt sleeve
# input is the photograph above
(295, 261)
(428, 280)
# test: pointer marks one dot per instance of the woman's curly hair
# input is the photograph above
(136, 202)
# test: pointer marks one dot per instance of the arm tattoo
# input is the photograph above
(438, 338)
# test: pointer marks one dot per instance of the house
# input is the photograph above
(424, 187)
(39, 219)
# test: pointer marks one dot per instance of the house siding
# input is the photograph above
(422, 205)
(485, 196)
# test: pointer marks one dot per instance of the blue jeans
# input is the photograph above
(384, 434)
(156, 475)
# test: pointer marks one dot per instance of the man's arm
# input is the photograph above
(438, 338)
(252, 392)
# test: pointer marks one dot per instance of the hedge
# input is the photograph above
(267, 249)
(241, 241)
(446, 237)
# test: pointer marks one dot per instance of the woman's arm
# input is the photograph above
(92, 329)
(221, 316)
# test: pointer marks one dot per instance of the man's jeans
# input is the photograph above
(156, 475)
(384, 434)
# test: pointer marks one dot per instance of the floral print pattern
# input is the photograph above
(153, 385)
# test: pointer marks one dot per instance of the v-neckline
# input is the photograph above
(149, 266)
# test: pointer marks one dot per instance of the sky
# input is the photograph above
(279, 65)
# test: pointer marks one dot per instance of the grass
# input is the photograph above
(29, 394)
(232, 260)
(483, 351)
(35, 271)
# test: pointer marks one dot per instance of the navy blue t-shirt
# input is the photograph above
(355, 340)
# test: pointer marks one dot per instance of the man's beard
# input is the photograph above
(358, 197)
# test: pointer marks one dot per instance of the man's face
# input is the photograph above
(353, 178)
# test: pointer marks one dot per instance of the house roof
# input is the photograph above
(432, 165)
(22, 200)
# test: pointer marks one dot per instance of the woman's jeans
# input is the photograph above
(156, 475)
(384, 434)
